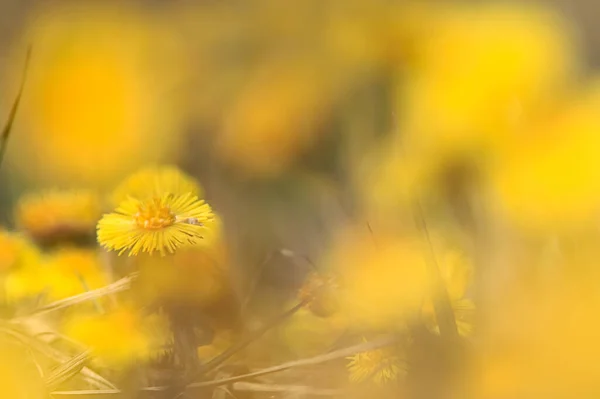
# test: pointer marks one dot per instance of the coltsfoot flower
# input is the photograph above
(381, 366)
(161, 224)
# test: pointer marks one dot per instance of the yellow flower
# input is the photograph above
(382, 282)
(93, 100)
(483, 69)
(58, 215)
(73, 271)
(307, 334)
(550, 179)
(382, 366)
(161, 224)
(154, 181)
(20, 264)
(120, 337)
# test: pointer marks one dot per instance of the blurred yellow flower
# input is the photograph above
(551, 178)
(15, 252)
(118, 338)
(20, 376)
(382, 279)
(71, 271)
(154, 181)
(481, 70)
(306, 334)
(381, 366)
(160, 224)
(92, 101)
(21, 268)
(58, 216)
(274, 118)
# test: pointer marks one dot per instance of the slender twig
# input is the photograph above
(339, 354)
(13, 111)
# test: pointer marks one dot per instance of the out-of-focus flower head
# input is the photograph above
(19, 372)
(319, 292)
(59, 216)
(96, 106)
(383, 277)
(118, 338)
(481, 70)
(306, 334)
(153, 181)
(16, 251)
(381, 366)
(551, 178)
(160, 224)
(275, 118)
(70, 271)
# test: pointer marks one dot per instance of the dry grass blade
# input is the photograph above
(67, 370)
(118, 286)
(341, 353)
(352, 350)
(91, 377)
(296, 389)
(13, 111)
(98, 393)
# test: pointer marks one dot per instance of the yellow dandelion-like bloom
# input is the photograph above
(381, 366)
(155, 180)
(160, 224)
(120, 337)
(58, 215)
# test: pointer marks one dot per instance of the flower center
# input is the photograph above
(154, 215)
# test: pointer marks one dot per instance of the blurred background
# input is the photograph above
(317, 127)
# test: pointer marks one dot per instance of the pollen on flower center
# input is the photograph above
(154, 215)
